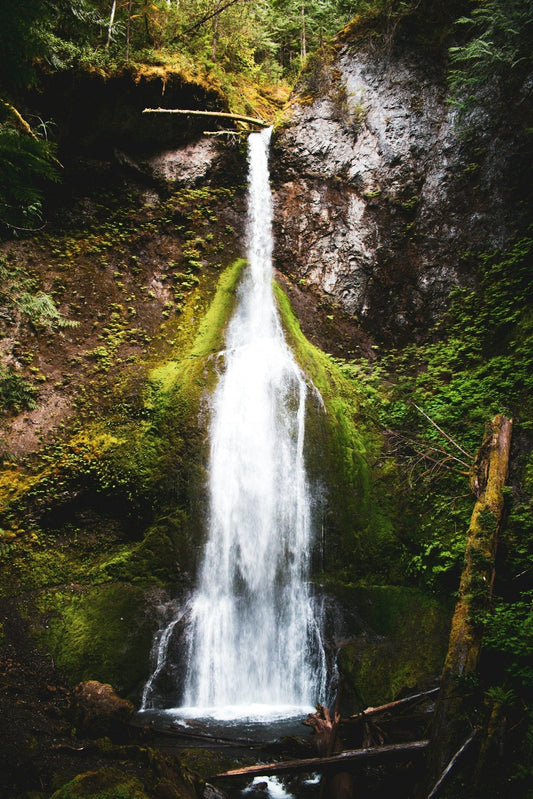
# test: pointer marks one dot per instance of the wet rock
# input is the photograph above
(401, 651)
(210, 792)
(99, 712)
(185, 166)
(373, 208)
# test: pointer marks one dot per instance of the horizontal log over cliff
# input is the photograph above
(213, 114)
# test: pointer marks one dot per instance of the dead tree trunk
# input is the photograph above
(488, 476)
(337, 784)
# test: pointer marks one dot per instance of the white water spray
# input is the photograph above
(254, 639)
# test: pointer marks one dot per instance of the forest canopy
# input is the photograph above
(231, 45)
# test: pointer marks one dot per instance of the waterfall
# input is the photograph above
(253, 635)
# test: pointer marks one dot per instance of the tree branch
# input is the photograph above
(441, 431)
(378, 754)
(209, 16)
(222, 114)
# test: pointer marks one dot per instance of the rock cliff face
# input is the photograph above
(375, 203)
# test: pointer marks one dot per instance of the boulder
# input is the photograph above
(99, 712)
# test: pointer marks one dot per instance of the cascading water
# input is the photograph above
(253, 636)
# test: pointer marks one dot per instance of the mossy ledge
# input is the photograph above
(351, 483)
(113, 512)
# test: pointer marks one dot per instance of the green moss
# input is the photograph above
(163, 552)
(97, 633)
(105, 783)
(115, 507)
(137, 459)
(410, 651)
(203, 764)
(342, 450)
(207, 336)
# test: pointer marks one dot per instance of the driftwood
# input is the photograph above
(214, 114)
(325, 729)
(337, 783)
(374, 755)
(488, 478)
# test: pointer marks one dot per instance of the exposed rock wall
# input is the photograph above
(376, 204)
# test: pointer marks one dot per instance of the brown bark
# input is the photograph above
(488, 478)
(396, 705)
(260, 123)
(374, 756)
(338, 784)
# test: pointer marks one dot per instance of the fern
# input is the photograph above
(499, 46)
(16, 393)
(26, 162)
(43, 311)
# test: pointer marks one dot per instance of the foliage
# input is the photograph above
(19, 295)
(508, 628)
(497, 49)
(27, 162)
(267, 37)
(19, 41)
(41, 309)
(423, 23)
(477, 363)
(16, 392)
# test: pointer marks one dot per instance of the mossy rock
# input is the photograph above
(98, 711)
(203, 764)
(404, 649)
(342, 449)
(105, 783)
(96, 633)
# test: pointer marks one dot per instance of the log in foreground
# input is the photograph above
(221, 114)
(376, 754)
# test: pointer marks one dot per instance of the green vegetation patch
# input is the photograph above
(410, 653)
(105, 783)
(95, 633)
(343, 454)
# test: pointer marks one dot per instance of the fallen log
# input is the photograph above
(374, 755)
(220, 114)
(396, 705)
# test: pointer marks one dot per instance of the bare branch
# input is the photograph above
(441, 431)
(209, 16)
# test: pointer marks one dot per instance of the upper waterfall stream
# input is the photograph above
(254, 643)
